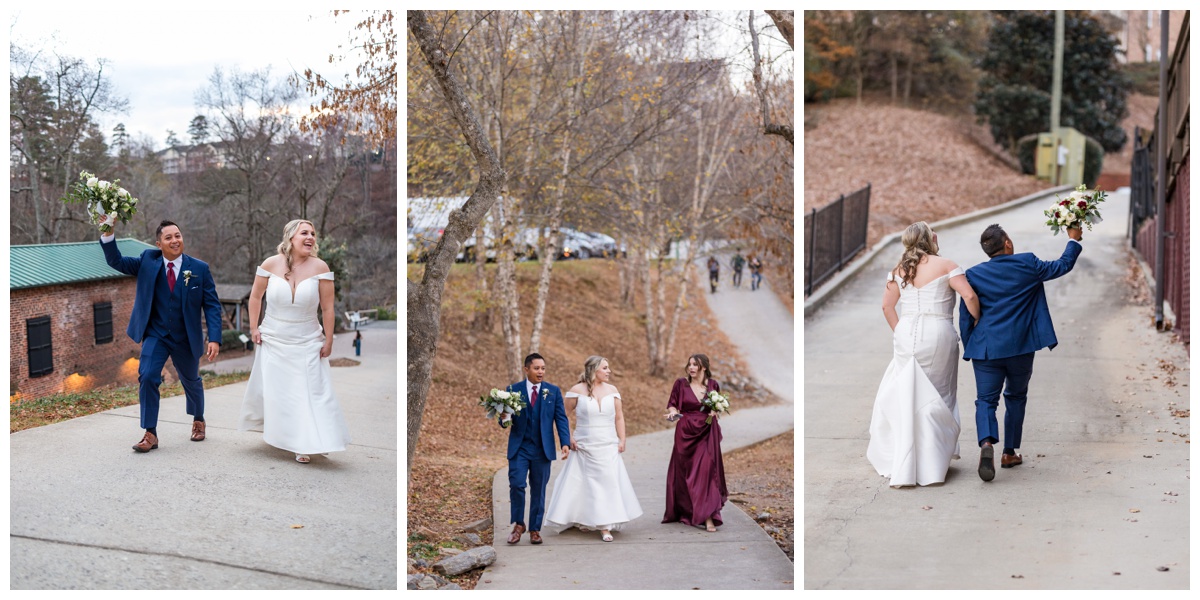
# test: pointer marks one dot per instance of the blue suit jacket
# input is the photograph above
(1014, 316)
(200, 294)
(553, 414)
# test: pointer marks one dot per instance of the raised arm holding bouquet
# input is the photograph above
(107, 202)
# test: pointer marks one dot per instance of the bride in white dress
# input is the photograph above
(289, 394)
(915, 423)
(593, 490)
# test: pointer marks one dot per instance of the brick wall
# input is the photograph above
(79, 363)
(1177, 249)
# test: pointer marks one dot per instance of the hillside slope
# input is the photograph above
(459, 450)
(921, 166)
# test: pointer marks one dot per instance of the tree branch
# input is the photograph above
(769, 128)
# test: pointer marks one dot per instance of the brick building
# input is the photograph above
(67, 317)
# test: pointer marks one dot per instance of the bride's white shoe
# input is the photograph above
(303, 458)
(606, 536)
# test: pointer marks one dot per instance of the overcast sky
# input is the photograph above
(158, 60)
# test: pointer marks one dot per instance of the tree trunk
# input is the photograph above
(785, 22)
(575, 70)
(908, 81)
(506, 286)
(425, 299)
(479, 312)
(893, 69)
(769, 128)
(543, 289)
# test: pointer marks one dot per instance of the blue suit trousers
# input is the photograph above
(155, 351)
(1012, 376)
(532, 464)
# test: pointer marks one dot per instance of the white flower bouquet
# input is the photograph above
(103, 199)
(1080, 208)
(715, 402)
(501, 402)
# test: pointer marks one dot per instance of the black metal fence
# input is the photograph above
(1141, 183)
(834, 234)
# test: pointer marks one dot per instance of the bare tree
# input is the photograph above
(769, 127)
(425, 298)
(248, 114)
(52, 129)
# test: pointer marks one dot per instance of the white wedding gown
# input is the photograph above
(593, 489)
(915, 424)
(289, 394)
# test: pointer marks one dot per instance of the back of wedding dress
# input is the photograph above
(915, 423)
(935, 297)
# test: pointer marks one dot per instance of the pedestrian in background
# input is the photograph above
(755, 272)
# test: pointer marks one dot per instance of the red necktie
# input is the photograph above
(533, 399)
(171, 276)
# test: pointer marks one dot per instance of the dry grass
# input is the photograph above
(921, 166)
(35, 412)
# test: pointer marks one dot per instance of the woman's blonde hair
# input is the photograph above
(918, 243)
(285, 247)
(589, 371)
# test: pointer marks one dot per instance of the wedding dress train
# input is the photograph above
(915, 423)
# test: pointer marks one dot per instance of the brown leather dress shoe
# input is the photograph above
(197, 431)
(1008, 461)
(149, 442)
(535, 537)
(515, 536)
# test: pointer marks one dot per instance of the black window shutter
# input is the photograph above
(41, 354)
(102, 313)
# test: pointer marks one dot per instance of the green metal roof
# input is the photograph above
(55, 264)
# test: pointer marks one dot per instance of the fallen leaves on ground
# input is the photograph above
(922, 166)
(459, 450)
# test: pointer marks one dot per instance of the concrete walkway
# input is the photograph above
(650, 555)
(1102, 499)
(231, 512)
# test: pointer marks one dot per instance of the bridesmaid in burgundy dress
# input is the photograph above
(695, 477)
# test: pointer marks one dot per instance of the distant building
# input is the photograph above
(67, 316)
(193, 159)
(1140, 36)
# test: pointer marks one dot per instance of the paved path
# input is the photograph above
(648, 554)
(1102, 499)
(758, 324)
(87, 512)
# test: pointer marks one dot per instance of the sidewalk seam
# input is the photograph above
(180, 556)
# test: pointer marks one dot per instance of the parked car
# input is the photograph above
(604, 245)
(576, 244)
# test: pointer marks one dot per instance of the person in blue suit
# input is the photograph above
(1013, 325)
(531, 446)
(173, 290)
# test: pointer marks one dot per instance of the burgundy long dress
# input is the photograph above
(696, 476)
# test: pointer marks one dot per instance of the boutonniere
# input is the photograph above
(544, 392)
(187, 275)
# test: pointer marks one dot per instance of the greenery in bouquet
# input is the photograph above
(501, 402)
(1080, 208)
(103, 199)
(715, 402)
